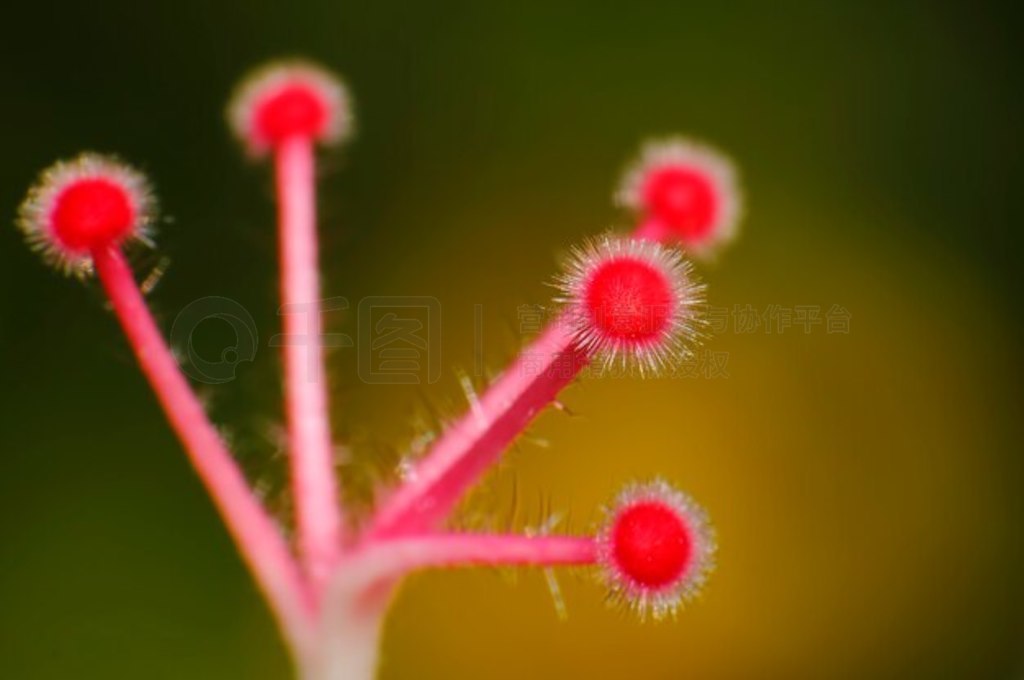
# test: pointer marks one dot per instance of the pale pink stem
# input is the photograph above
(318, 516)
(398, 556)
(478, 439)
(258, 539)
(364, 583)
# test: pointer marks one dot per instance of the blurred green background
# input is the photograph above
(866, 486)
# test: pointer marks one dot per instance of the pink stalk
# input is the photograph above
(478, 439)
(398, 556)
(312, 466)
(258, 539)
(364, 583)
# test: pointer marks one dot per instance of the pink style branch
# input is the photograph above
(624, 300)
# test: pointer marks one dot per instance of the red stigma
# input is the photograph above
(92, 212)
(650, 545)
(629, 300)
(684, 198)
(294, 110)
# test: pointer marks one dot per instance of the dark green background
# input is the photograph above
(867, 488)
